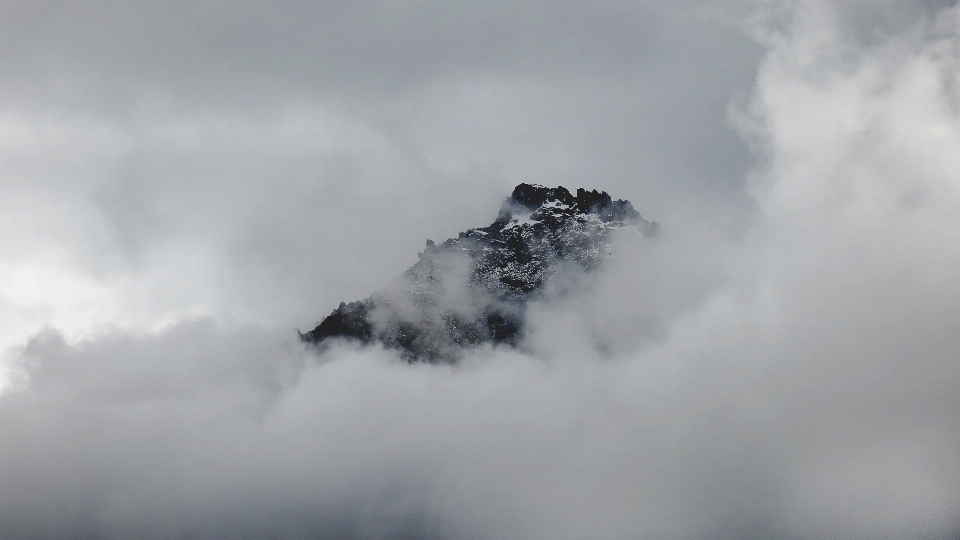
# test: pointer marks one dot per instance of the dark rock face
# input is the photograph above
(473, 289)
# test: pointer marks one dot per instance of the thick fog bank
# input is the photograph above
(802, 382)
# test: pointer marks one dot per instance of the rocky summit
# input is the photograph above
(473, 289)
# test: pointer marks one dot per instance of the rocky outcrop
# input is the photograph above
(473, 289)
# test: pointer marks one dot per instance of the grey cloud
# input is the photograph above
(726, 423)
(354, 46)
(258, 131)
(780, 363)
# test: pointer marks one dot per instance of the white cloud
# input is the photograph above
(799, 382)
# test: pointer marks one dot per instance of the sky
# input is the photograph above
(183, 185)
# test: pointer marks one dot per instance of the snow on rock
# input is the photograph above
(473, 289)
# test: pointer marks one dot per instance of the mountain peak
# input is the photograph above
(473, 289)
(532, 197)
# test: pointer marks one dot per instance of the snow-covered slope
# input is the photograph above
(473, 289)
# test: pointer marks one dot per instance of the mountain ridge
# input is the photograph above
(473, 289)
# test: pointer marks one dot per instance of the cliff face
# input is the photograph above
(473, 289)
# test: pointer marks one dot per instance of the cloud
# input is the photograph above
(241, 139)
(795, 380)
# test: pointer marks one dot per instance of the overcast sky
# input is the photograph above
(184, 184)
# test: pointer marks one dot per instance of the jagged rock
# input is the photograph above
(473, 289)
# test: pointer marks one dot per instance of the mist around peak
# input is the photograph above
(473, 290)
(185, 186)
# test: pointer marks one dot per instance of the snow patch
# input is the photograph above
(521, 220)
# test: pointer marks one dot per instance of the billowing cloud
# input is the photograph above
(267, 148)
(787, 372)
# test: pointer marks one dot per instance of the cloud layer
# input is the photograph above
(781, 366)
